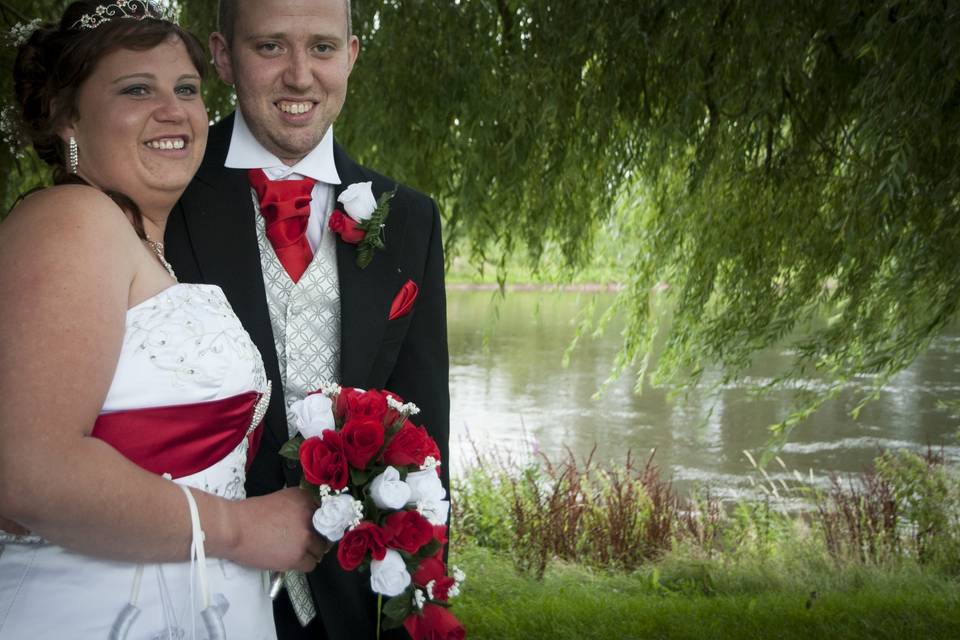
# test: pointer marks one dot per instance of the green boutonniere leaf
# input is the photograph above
(373, 228)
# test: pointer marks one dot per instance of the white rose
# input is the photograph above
(358, 201)
(425, 486)
(389, 576)
(389, 491)
(435, 511)
(313, 414)
(335, 515)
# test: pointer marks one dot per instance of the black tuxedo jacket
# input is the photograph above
(211, 238)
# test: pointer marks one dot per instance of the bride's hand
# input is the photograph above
(9, 526)
(275, 532)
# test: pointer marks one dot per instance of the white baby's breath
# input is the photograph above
(330, 389)
(21, 32)
(458, 578)
(406, 409)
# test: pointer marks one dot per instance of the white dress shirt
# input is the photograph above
(247, 153)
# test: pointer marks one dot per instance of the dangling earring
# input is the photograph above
(74, 155)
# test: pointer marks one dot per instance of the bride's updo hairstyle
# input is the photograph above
(57, 59)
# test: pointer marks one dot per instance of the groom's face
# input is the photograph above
(289, 61)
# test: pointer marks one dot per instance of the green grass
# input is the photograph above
(684, 599)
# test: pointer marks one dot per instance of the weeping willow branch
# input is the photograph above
(762, 172)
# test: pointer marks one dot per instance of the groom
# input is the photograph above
(255, 222)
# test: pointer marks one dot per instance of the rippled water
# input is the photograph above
(509, 391)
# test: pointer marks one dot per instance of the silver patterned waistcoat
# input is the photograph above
(305, 317)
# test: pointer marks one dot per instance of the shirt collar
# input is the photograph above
(247, 153)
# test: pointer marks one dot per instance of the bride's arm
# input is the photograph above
(68, 262)
(9, 526)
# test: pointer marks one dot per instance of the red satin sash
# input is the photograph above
(181, 439)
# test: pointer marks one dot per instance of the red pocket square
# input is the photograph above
(403, 303)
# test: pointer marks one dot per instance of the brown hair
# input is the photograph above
(227, 18)
(57, 59)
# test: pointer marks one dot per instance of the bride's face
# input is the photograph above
(141, 127)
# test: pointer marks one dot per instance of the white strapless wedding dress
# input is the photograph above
(183, 346)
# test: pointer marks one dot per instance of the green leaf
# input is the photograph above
(399, 607)
(359, 478)
(429, 549)
(291, 448)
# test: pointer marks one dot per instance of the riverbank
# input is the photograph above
(557, 549)
(682, 600)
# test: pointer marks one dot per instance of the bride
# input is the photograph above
(129, 403)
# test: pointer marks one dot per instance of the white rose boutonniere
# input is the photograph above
(362, 220)
(358, 201)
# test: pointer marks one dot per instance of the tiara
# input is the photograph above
(120, 9)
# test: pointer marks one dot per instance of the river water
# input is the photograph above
(510, 393)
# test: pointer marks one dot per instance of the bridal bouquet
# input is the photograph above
(376, 478)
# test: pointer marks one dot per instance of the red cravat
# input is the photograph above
(285, 206)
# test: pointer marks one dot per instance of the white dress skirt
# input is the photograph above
(183, 347)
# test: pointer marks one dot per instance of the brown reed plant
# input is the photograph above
(616, 524)
(860, 519)
(626, 515)
(702, 523)
(617, 518)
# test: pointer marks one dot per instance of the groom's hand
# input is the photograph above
(9, 526)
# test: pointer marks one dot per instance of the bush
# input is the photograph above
(629, 517)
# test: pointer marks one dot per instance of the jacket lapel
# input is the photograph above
(365, 294)
(222, 231)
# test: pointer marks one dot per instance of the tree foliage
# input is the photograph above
(768, 164)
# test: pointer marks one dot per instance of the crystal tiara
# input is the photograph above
(121, 9)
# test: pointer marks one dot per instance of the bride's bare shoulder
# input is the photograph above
(63, 223)
(67, 203)
(70, 211)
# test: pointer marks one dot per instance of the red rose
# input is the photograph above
(340, 405)
(355, 544)
(407, 531)
(392, 415)
(435, 623)
(346, 227)
(352, 403)
(410, 446)
(323, 460)
(362, 438)
(433, 569)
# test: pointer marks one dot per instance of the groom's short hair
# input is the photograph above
(227, 18)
